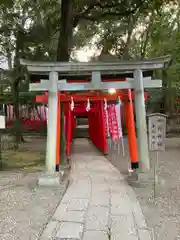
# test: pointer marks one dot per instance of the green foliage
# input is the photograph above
(37, 23)
(151, 31)
(128, 29)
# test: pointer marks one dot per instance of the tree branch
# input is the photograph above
(147, 32)
(84, 15)
(92, 6)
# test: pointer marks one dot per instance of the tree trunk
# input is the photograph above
(147, 34)
(15, 88)
(166, 92)
(66, 31)
(128, 41)
(17, 123)
(63, 54)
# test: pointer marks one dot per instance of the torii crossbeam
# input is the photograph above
(95, 69)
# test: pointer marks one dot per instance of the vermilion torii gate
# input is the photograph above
(95, 69)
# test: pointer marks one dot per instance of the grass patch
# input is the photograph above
(28, 161)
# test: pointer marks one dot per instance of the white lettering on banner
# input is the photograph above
(118, 115)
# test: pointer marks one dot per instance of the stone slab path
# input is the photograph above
(98, 203)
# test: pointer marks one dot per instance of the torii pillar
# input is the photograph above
(141, 125)
(51, 177)
(133, 152)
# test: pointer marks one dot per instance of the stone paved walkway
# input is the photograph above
(98, 203)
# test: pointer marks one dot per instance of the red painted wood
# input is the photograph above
(58, 131)
(104, 142)
(69, 124)
(92, 97)
(132, 142)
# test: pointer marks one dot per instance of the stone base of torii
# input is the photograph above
(53, 85)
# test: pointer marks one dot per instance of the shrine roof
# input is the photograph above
(87, 76)
(73, 68)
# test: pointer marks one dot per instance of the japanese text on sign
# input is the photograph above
(2, 122)
(157, 132)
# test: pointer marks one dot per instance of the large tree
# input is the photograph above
(53, 29)
(79, 13)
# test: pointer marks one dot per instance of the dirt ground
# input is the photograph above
(25, 208)
(162, 211)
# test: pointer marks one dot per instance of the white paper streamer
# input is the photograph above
(72, 104)
(88, 107)
(105, 104)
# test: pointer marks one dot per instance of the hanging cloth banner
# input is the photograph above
(119, 120)
(109, 123)
(110, 119)
(115, 127)
(118, 115)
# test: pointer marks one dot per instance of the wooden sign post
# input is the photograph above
(157, 135)
(2, 126)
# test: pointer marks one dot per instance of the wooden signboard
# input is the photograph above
(2, 122)
(157, 131)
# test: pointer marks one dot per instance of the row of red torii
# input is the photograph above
(104, 121)
(94, 90)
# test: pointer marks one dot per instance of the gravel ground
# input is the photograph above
(25, 208)
(162, 211)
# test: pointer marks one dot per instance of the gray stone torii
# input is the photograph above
(138, 83)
